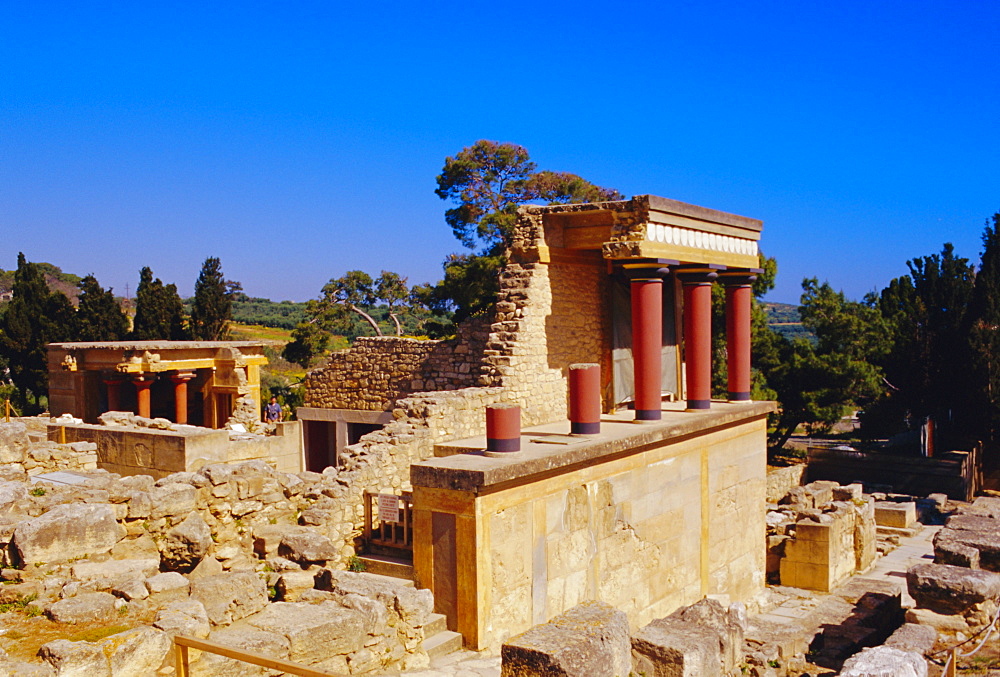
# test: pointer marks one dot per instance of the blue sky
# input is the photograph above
(297, 141)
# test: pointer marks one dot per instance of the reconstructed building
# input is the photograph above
(193, 382)
(659, 505)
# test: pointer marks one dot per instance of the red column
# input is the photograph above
(114, 393)
(647, 343)
(698, 337)
(503, 428)
(585, 399)
(180, 380)
(738, 296)
(142, 384)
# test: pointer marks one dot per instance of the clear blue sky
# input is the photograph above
(296, 141)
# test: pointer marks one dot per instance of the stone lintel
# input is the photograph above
(544, 452)
(346, 415)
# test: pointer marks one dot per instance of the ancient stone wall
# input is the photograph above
(377, 370)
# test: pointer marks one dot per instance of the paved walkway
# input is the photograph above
(790, 605)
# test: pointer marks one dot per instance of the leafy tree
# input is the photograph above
(36, 316)
(309, 341)
(984, 337)
(99, 317)
(816, 384)
(159, 311)
(212, 310)
(487, 181)
(390, 288)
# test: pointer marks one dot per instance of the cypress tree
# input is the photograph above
(213, 304)
(159, 312)
(98, 317)
(984, 336)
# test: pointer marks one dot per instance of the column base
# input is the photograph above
(648, 414)
(739, 397)
(578, 428)
(699, 404)
(505, 446)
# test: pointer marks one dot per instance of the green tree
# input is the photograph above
(36, 316)
(984, 338)
(309, 341)
(212, 310)
(99, 317)
(487, 181)
(390, 288)
(816, 384)
(159, 311)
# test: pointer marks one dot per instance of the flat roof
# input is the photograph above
(155, 345)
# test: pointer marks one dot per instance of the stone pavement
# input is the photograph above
(789, 607)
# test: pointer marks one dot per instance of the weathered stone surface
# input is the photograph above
(113, 573)
(671, 648)
(75, 659)
(913, 637)
(94, 606)
(314, 631)
(230, 597)
(169, 585)
(589, 640)
(949, 550)
(895, 515)
(67, 531)
(729, 627)
(12, 494)
(247, 639)
(939, 622)
(183, 617)
(13, 442)
(885, 661)
(186, 544)
(138, 652)
(291, 584)
(412, 605)
(21, 669)
(949, 589)
(307, 547)
(173, 499)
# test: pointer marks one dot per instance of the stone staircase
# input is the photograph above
(438, 639)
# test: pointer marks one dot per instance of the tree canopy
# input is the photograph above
(159, 311)
(212, 309)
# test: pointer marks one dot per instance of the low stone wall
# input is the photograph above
(780, 481)
(377, 370)
(155, 452)
(645, 518)
(19, 455)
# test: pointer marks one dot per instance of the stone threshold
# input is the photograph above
(463, 465)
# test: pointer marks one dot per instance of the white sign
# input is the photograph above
(388, 508)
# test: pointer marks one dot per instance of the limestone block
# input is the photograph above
(75, 659)
(166, 586)
(86, 608)
(880, 661)
(591, 639)
(307, 547)
(247, 639)
(314, 631)
(113, 573)
(13, 442)
(68, 531)
(230, 597)
(728, 626)
(12, 495)
(183, 617)
(913, 637)
(939, 622)
(848, 492)
(948, 589)
(19, 669)
(186, 544)
(949, 550)
(173, 499)
(895, 515)
(671, 648)
(137, 652)
(292, 584)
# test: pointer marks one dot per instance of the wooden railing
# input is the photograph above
(182, 644)
(381, 530)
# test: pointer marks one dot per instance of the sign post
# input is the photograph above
(388, 508)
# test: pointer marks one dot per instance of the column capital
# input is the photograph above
(698, 273)
(739, 276)
(182, 376)
(143, 379)
(647, 269)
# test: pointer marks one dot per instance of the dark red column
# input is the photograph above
(503, 428)
(647, 343)
(142, 385)
(739, 294)
(114, 393)
(698, 336)
(180, 380)
(585, 399)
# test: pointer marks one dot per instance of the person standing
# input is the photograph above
(272, 412)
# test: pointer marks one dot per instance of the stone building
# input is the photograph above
(193, 382)
(663, 505)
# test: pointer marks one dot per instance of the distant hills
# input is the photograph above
(784, 318)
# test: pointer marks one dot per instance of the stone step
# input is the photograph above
(386, 565)
(899, 531)
(392, 580)
(437, 623)
(442, 643)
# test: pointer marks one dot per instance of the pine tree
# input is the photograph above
(98, 316)
(213, 303)
(35, 317)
